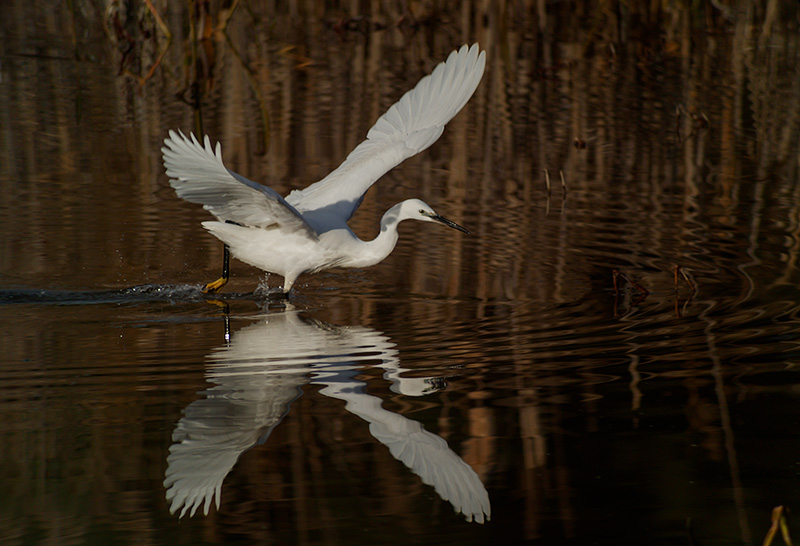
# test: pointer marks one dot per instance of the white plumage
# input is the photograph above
(307, 231)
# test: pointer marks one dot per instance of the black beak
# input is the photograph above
(449, 223)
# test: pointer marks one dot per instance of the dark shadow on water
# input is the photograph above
(144, 293)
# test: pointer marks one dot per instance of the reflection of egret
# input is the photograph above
(426, 454)
(257, 377)
(308, 231)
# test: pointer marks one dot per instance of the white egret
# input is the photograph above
(307, 231)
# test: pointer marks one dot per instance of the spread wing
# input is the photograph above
(411, 125)
(198, 175)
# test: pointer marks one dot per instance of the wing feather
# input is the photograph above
(409, 126)
(198, 175)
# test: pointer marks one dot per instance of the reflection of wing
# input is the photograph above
(216, 429)
(256, 378)
(260, 374)
(429, 457)
(426, 454)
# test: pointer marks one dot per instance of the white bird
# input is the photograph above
(307, 231)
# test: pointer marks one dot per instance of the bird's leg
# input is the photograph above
(288, 283)
(216, 286)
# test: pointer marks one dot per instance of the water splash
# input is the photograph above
(134, 294)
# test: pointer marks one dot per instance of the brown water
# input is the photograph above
(503, 361)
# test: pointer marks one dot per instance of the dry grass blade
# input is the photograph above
(778, 522)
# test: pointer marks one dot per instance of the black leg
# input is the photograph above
(214, 287)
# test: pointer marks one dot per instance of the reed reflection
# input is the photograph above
(258, 375)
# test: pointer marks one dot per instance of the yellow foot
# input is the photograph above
(216, 286)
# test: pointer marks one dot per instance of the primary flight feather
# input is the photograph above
(307, 231)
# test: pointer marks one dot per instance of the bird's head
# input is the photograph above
(415, 209)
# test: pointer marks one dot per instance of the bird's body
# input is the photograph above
(307, 231)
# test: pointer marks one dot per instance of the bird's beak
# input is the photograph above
(449, 223)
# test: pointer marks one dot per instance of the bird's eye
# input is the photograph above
(422, 211)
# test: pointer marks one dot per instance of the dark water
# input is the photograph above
(499, 374)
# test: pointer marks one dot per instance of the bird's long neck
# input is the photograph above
(381, 246)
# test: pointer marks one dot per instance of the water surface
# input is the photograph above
(499, 378)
